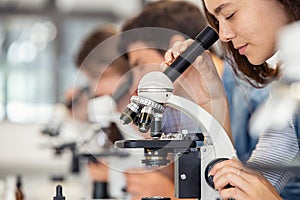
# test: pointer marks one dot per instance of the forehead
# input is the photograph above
(215, 6)
(134, 48)
(139, 53)
(137, 45)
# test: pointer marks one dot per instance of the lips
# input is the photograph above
(242, 49)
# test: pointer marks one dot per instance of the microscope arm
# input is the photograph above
(154, 96)
(212, 130)
(217, 145)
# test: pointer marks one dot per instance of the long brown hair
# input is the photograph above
(256, 75)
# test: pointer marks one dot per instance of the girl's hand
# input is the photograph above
(202, 84)
(247, 183)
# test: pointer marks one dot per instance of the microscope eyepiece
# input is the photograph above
(207, 37)
(203, 41)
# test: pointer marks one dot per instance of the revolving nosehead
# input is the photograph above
(129, 114)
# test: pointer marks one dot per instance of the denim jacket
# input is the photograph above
(243, 100)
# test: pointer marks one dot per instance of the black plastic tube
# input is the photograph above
(204, 40)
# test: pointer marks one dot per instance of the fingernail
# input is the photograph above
(182, 48)
(168, 58)
(164, 65)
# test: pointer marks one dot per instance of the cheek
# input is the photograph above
(111, 85)
(260, 42)
(245, 28)
(264, 33)
(261, 48)
(107, 86)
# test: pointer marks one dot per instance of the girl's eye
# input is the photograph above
(229, 17)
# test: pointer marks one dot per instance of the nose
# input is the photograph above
(226, 33)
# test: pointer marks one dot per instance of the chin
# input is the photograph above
(256, 61)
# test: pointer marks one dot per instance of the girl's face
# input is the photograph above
(252, 26)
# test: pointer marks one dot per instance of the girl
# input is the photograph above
(248, 31)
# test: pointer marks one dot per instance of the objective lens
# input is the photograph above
(145, 119)
(129, 113)
(156, 126)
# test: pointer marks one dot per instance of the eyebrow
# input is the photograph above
(219, 8)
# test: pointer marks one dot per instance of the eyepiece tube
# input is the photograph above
(205, 39)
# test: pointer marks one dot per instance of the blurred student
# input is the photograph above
(99, 60)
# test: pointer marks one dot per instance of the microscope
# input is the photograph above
(97, 142)
(104, 129)
(194, 153)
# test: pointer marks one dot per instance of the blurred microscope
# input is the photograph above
(194, 153)
(283, 106)
(94, 141)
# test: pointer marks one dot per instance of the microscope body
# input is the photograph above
(194, 154)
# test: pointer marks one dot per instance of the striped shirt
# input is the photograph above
(276, 148)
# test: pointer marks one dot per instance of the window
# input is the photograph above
(37, 65)
(38, 47)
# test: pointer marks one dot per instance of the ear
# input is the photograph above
(176, 38)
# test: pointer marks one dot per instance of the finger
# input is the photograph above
(233, 193)
(164, 65)
(246, 182)
(177, 48)
(205, 67)
(226, 171)
(205, 71)
(180, 47)
(185, 44)
(227, 163)
(234, 179)
(169, 57)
